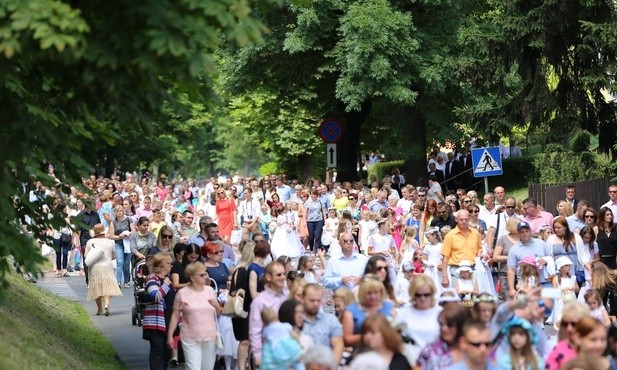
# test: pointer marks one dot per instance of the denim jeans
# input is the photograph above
(62, 254)
(123, 265)
(315, 229)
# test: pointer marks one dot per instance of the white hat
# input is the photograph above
(464, 265)
(562, 261)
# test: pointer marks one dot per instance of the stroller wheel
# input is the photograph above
(134, 315)
(139, 319)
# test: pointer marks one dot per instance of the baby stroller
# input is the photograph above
(139, 275)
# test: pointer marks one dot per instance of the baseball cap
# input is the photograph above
(408, 266)
(521, 225)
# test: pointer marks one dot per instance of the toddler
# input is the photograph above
(281, 349)
(596, 308)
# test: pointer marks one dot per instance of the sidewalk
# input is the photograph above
(123, 336)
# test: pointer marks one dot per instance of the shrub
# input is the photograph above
(383, 169)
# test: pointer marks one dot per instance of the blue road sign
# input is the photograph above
(486, 162)
(330, 130)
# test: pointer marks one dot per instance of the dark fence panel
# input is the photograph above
(594, 191)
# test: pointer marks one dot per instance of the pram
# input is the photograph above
(139, 275)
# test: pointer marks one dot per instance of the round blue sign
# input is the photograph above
(330, 130)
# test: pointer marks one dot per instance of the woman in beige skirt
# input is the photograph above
(102, 278)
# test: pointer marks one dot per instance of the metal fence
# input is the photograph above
(594, 191)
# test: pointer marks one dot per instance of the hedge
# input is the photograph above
(383, 169)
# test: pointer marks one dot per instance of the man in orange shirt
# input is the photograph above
(462, 243)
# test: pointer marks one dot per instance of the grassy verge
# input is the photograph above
(520, 194)
(44, 331)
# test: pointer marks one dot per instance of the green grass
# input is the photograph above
(44, 331)
(520, 194)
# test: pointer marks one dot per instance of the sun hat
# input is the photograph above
(464, 266)
(98, 230)
(528, 260)
(522, 323)
(562, 261)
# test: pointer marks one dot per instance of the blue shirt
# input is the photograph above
(575, 223)
(343, 266)
(376, 206)
(325, 327)
(284, 192)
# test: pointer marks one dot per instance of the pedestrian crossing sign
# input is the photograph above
(486, 162)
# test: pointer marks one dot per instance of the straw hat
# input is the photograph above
(99, 230)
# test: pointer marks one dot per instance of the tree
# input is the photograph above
(350, 59)
(543, 62)
(77, 77)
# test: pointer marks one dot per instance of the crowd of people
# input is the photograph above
(420, 277)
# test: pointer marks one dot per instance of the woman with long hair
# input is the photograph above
(606, 236)
(240, 280)
(424, 309)
(378, 335)
(429, 214)
(378, 266)
(565, 350)
(444, 352)
(564, 242)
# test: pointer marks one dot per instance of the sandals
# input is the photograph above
(99, 312)
(106, 311)
(58, 274)
(66, 274)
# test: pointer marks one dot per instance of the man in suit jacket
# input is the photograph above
(466, 164)
(453, 168)
(434, 171)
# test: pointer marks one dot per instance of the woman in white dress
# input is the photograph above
(286, 240)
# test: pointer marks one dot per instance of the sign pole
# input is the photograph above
(486, 185)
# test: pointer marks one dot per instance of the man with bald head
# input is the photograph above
(463, 243)
(348, 268)
(500, 196)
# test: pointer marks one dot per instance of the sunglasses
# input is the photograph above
(279, 274)
(381, 268)
(467, 201)
(568, 323)
(166, 236)
(352, 198)
(441, 212)
(423, 295)
(478, 344)
(474, 211)
(220, 192)
(510, 207)
(347, 240)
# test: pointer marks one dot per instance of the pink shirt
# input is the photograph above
(562, 353)
(543, 218)
(198, 315)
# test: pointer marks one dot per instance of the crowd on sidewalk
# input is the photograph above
(423, 277)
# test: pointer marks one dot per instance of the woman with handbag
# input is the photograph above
(102, 283)
(239, 290)
(198, 305)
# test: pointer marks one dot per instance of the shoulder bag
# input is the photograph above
(94, 255)
(234, 306)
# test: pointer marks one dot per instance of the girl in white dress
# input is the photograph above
(566, 283)
(286, 241)
(466, 285)
(432, 249)
(383, 244)
(367, 227)
(330, 228)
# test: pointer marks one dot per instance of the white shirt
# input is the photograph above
(249, 209)
(405, 205)
(426, 333)
(485, 215)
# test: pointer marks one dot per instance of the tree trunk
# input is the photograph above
(349, 145)
(415, 163)
(306, 166)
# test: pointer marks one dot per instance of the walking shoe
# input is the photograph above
(69, 269)
(173, 362)
(106, 311)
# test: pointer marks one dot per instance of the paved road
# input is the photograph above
(117, 327)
